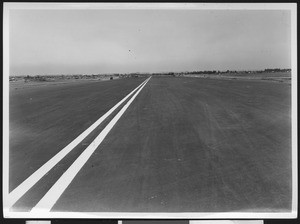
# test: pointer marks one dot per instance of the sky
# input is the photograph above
(122, 41)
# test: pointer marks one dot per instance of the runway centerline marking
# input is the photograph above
(54, 193)
(20, 190)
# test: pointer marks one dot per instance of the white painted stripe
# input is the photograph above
(50, 198)
(19, 191)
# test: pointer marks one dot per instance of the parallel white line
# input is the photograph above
(19, 191)
(54, 193)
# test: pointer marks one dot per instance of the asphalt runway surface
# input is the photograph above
(181, 145)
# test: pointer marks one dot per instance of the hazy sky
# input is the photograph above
(109, 41)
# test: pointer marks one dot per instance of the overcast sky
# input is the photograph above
(121, 41)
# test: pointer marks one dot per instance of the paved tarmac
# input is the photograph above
(182, 145)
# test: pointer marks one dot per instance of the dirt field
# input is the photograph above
(264, 76)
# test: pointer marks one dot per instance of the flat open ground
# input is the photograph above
(182, 145)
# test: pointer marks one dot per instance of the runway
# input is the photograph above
(173, 145)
